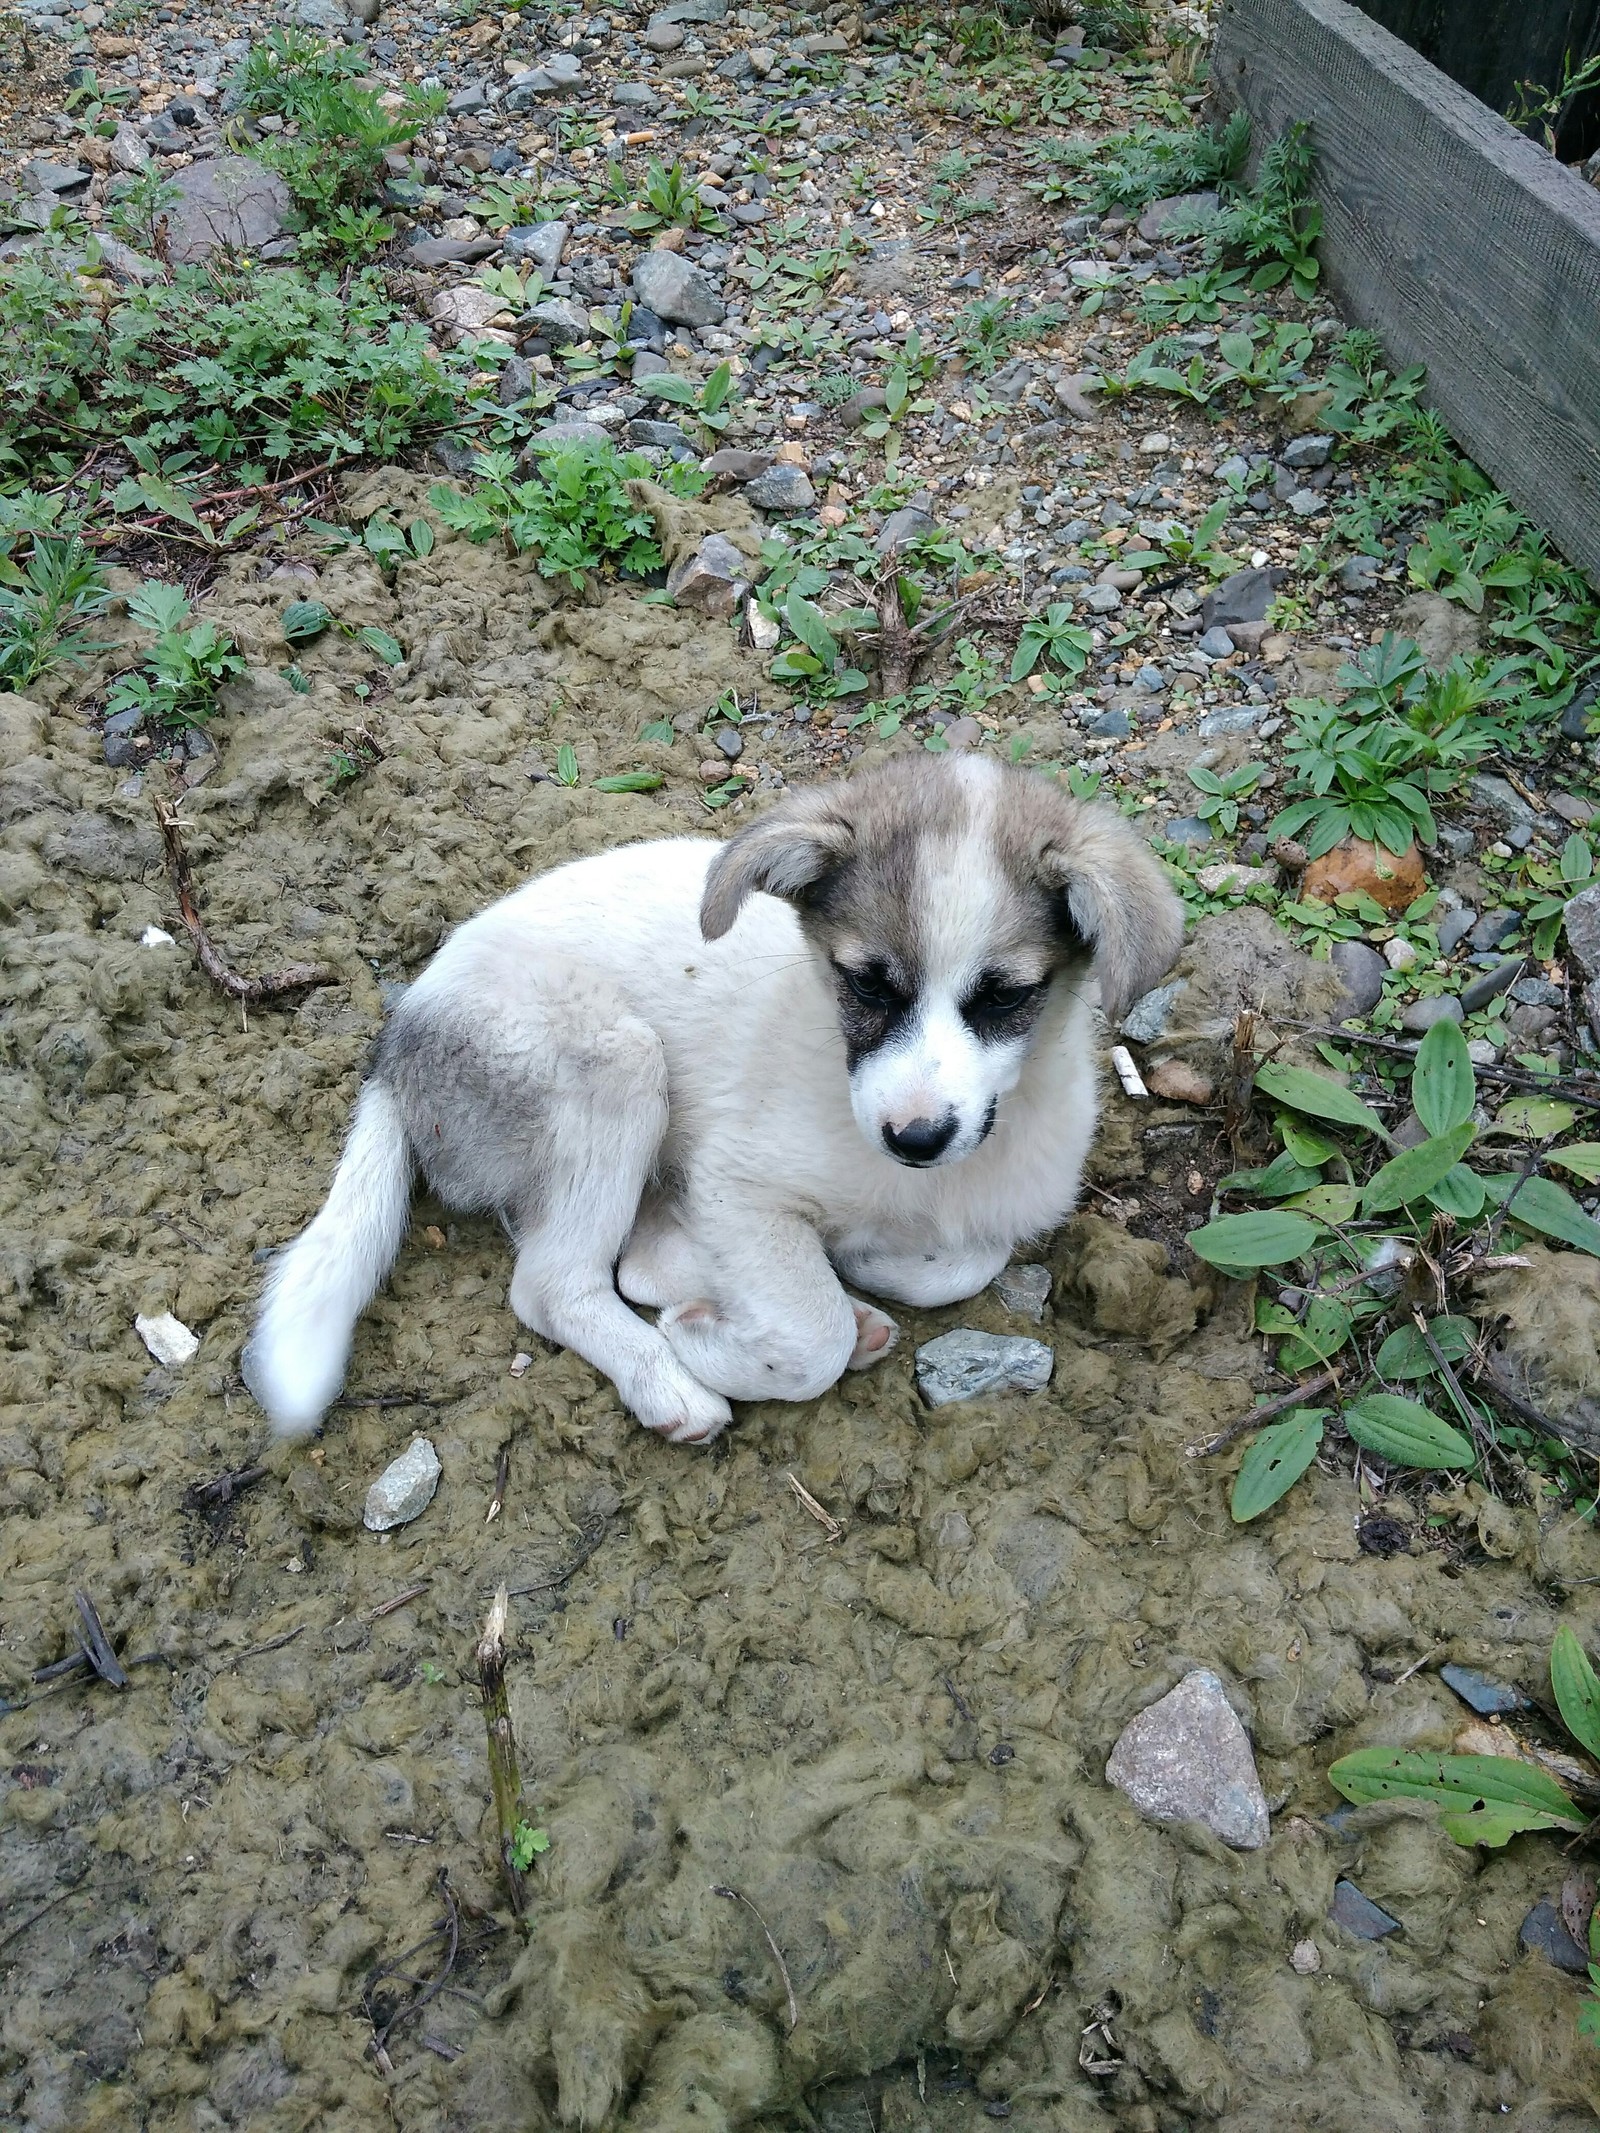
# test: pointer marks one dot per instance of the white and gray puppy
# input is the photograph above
(853, 1044)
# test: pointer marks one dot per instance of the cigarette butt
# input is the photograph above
(1127, 1073)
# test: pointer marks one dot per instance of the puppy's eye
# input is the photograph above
(872, 987)
(994, 997)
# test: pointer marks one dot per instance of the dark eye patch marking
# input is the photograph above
(874, 1008)
(1001, 1007)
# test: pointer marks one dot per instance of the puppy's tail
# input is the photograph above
(320, 1285)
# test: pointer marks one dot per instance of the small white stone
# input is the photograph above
(765, 630)
(521, 1364)
(1399, 954)
(1231, 877)
(167, 1338)
(153, 937)
(1305, 1958)
(404, 1490)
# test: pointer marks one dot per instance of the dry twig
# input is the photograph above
(734, 1896)
(294, 977)
(505, 1778)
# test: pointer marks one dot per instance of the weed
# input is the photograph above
(710, 404)
(1360, 1250)
(814, 659)
(672, 197)
(526, 1845)
(1053, 636)
(576, 513)
(334, 158)
(1221, 792)
(389, 545)
(1274, 224)
(988, 331)
(1194, 299)
(135, 208)
(184, 668)
(44, 606)
(1128, 170)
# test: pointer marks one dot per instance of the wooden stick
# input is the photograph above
(505, 1777)
(1324, 1381)
(736, 1896)
(98, 1645)
(294, 977)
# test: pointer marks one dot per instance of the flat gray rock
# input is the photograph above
(1024, 1290)
(1245, 597)
(1147, 1018)
(1187, 1759)
(558, 322)
(542, 242)
(968, 1365)
(782, 488)
(230, 204)
(404, 1490)
(1359, 1915)
(675, 290)
(1582, 915)
(1361, 972)
(710, 579)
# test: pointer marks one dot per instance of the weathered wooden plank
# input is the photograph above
(1465, 246)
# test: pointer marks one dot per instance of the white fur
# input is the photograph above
(719, 1066)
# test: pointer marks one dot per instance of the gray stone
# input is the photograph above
(1361, 972)
(1491, 983)
(1456, 840)
(1543, 1932)
(125, 263)
(54, 178)
(1189, 208)
(901, 528)
(325, 15)
(968, 1365)
(570, 430)
(1147, 1018)
(1216, 644)
(731, 741)
(1306, 503)
(1245, 597)
(676, 290)
(1024, 1290)
(541, 242)
(1188, 829)
(232, 203)
(1237, 718)
(1420, 1015)
(1488, 1698)
(517, 380)
(558, 322)
(1102, 599)
(662, 36)
(1187, 1759)
(1582, 916)
(1359, 573)
(703, 11)
(1493, 928)
(1035, 1553)
(448, 251)
(128, 150)
(1537, 992)
(1358, 1914)
(1112, 725)
(404, 1490)
(1304, 453)
(1502, 800)
(665, 436)
(709, 579)
(635, 96)
(781, 488)
(1454, 927)
(1575, 719)
(473, 98)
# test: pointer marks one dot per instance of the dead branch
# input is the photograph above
(1324, 1381)
(505, 1777)
(293, 977)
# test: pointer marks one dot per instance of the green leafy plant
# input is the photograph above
(1273, 225)
(44, 607)
(1221, 792)
(1350, 1240)
(1053, 636)
(388, 544)
(334, 157)
(815, 658)
(988, 331)
(576, 514)
(672, 197)
(177, 684)
(710, 403)
(526, 1845)
(1128, 170)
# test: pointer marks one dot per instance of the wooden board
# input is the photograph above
(1489, 46)
(1463, 245)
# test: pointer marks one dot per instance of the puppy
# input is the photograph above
(853, 1045)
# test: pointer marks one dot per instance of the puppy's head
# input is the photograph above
(954, 903)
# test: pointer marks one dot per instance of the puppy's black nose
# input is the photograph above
(924, 1140)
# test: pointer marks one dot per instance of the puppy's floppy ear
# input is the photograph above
(1117, 897)
(786, 853)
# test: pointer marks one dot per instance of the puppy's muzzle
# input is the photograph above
(921, 1141)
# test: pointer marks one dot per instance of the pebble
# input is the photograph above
(167, 1338)
(1399, 954)
(1024, 1290)
(1359, 573)
(1189, 830)
(231, 203)
(1361, 972)
(1544, 1932)
(1491, 983)
(781, 488)
(1488, 1698)
(1305, 453)
(1581, 915)
(1493, 928)
(1420, 1015)
(1187, 1759)
(1243, 597)
(1147, 1018)
(1111, 725)
(1358, 1914)
(1237, 718)
(541, 242)
(1454, 927)
(405, 1488)
(676, 290)
(968, 1365)
(710, 578)
(1102, 600)
(1226, 877)
(1305, 1958)
(1176, 1082)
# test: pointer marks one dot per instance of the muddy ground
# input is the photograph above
(890, 1744)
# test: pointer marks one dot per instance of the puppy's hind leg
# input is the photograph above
(573, 1218)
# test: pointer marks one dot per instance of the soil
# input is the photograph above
(891, 1745)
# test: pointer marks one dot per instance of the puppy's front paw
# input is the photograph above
(678, 1407)
(876, 1334)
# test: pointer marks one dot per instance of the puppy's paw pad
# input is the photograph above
(876, 1334)
(699, 1317)
(684, 1411)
